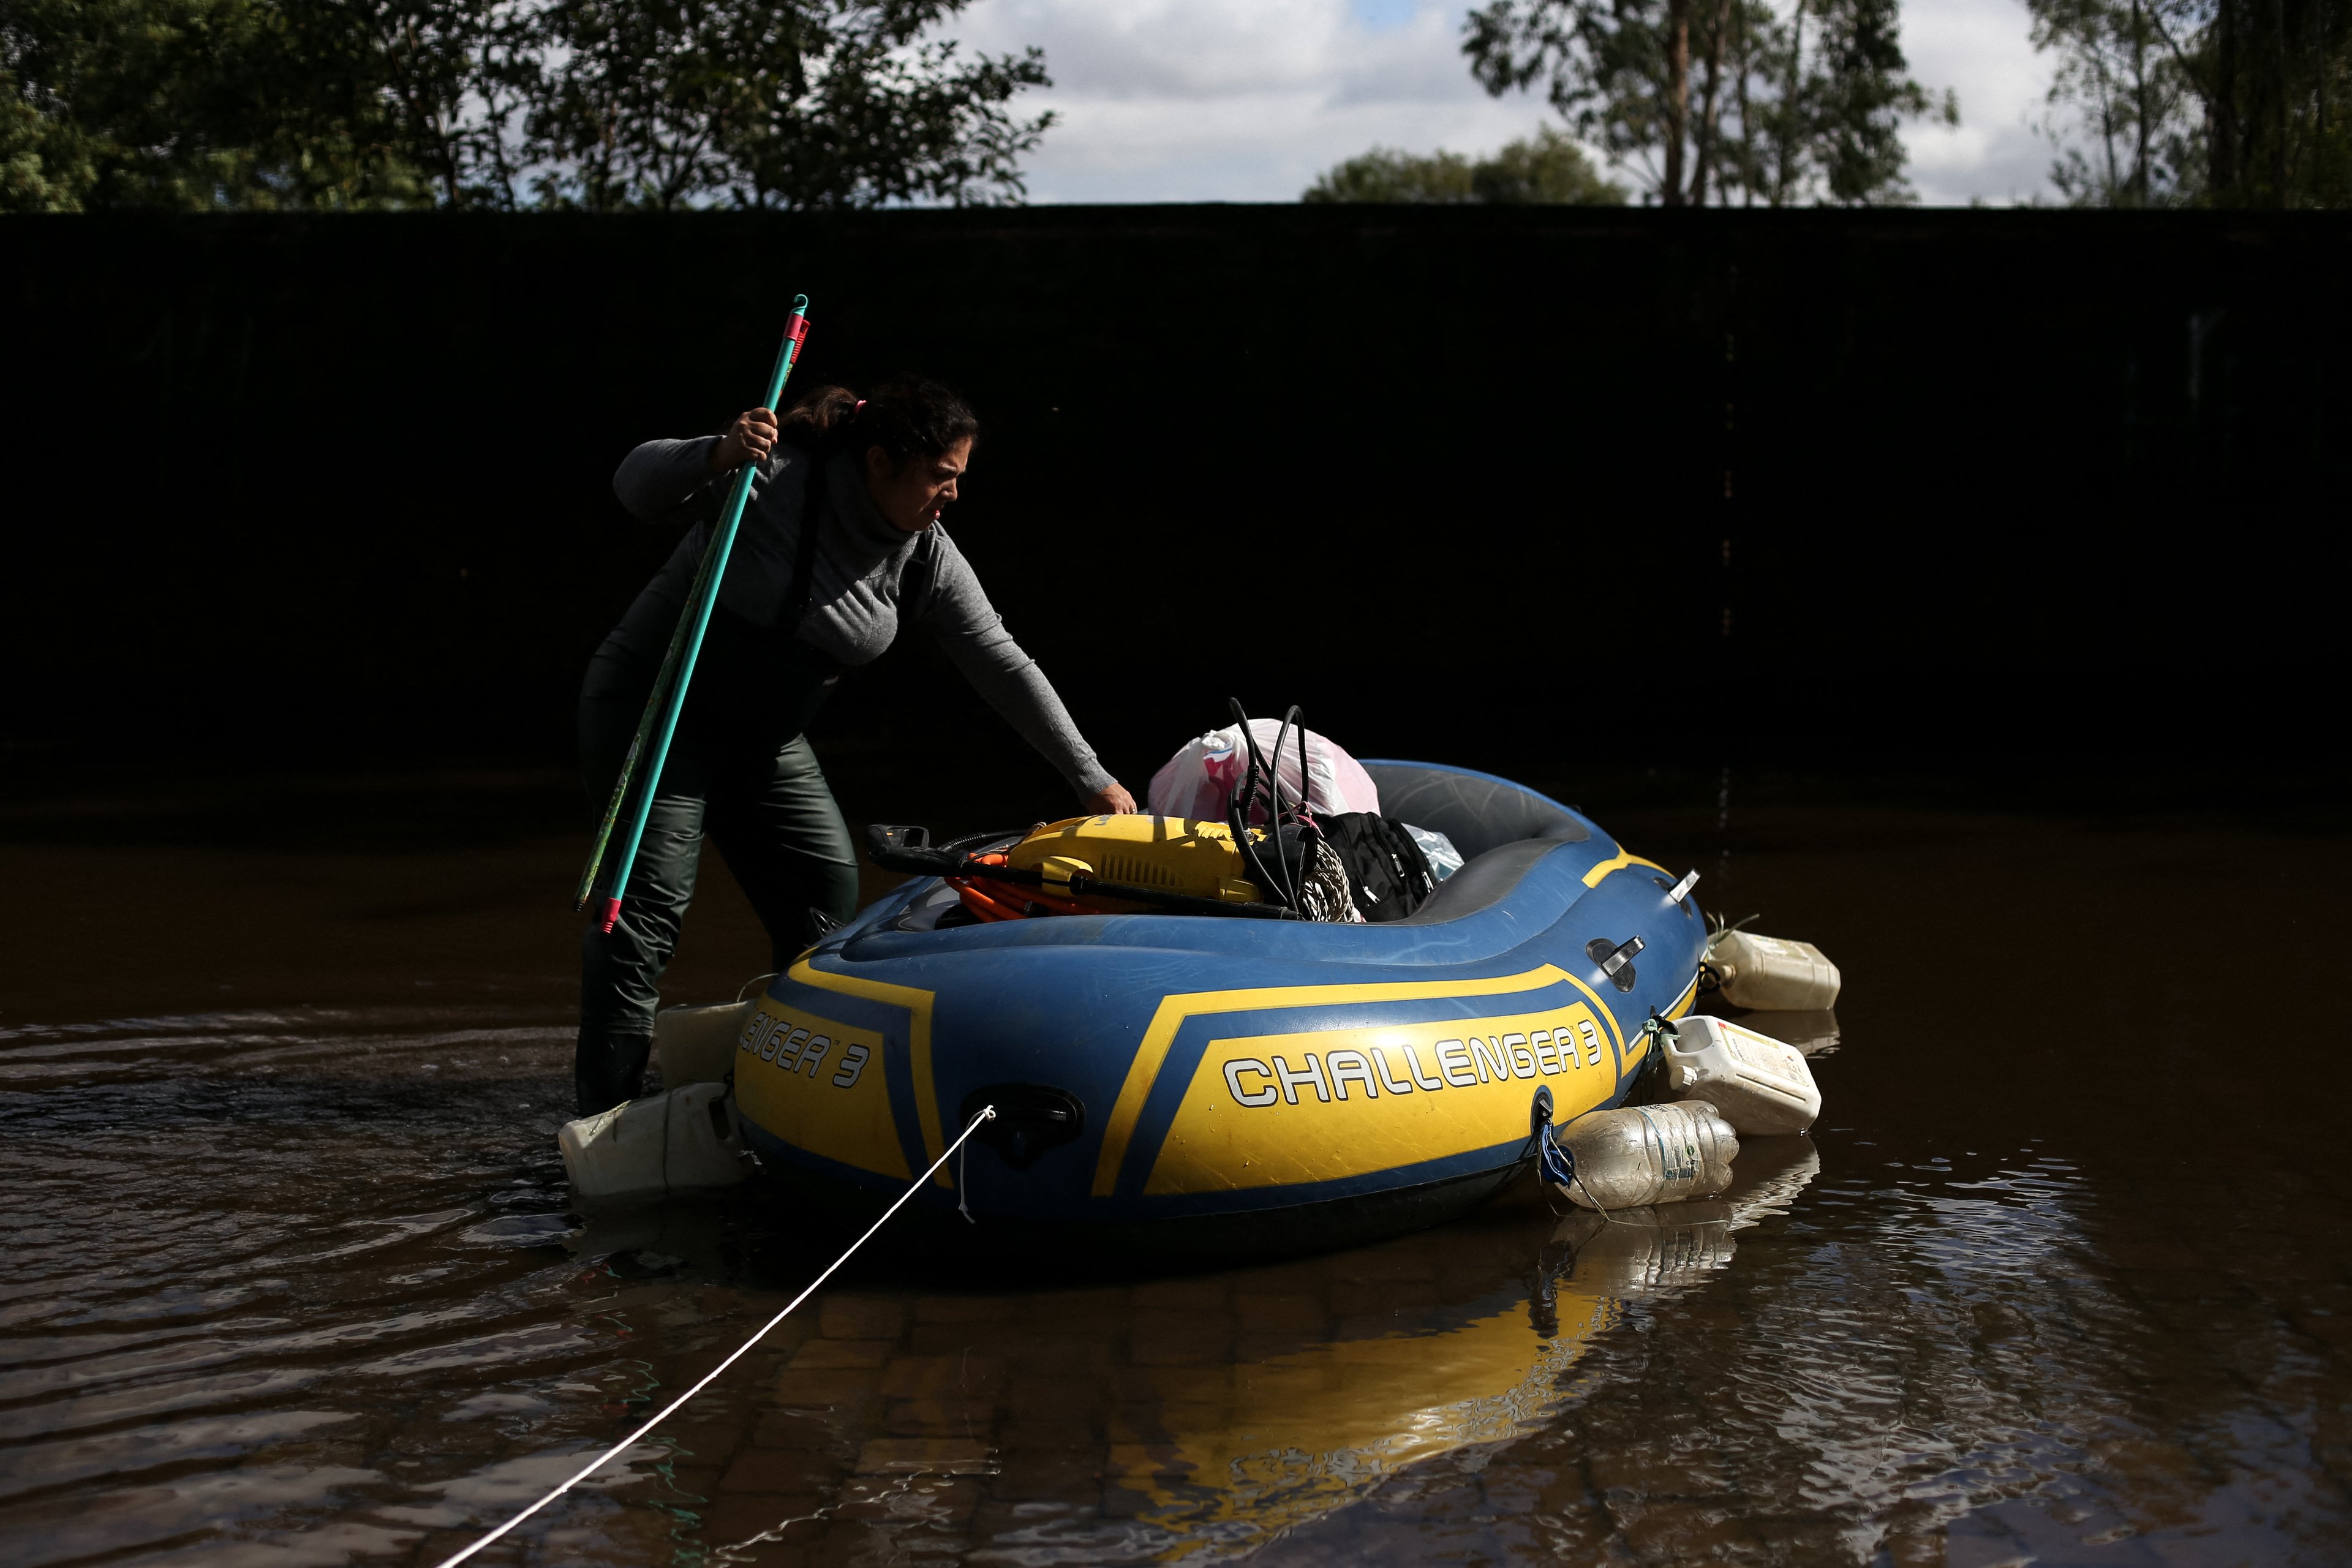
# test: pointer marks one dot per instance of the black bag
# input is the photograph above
(1387, 873)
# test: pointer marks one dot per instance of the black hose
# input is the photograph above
(1279, 736)
(1240, 827)
(1237, 814)
(1288, 886)
(1296, 883)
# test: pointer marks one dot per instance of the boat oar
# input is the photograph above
(668, 696)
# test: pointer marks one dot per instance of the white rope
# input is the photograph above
(987, 1113)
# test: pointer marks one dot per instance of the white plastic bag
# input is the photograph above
(1198, 783)
(1437, 849)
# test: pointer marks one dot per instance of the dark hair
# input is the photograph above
(907, 417)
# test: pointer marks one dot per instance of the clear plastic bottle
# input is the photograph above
(1650, 1251)
(1649, 1155)
(1758, 1084)
(1772, 973)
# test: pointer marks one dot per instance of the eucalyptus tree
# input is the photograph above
(1720, 100)
(2221, 103)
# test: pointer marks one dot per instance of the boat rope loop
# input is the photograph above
(987, 1113)
(1559, 1163)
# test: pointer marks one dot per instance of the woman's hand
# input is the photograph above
(747, 441)
(1111, 800)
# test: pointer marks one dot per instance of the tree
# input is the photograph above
(2122, 109)
(800, 104)
(1546, 168)
(194, 104)
(2225, 102)
(595, 103)
(1780, 109)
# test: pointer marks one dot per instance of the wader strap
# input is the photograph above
(922, 572)
(805, 562)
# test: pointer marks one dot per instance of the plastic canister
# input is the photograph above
(697, 1045)
(1642, 1154)
(1772, 973)
(1758, 1084)
(684, 1140)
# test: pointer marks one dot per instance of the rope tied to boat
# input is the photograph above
(1557, 1160)
(986, 1113)
(1710, 973)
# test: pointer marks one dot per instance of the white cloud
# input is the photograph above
(1248, 101)
(1982, 49)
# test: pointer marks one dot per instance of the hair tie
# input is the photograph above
(859, 408)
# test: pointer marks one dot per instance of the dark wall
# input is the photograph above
(1998, 490)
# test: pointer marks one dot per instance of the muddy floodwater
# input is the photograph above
(2064, 1276)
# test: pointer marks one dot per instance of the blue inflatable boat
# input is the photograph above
(1212, 1086)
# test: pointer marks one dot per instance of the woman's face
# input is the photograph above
(913, 495)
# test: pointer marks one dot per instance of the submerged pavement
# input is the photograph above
(2064, 1274)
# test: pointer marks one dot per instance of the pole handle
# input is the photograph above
(667, 698)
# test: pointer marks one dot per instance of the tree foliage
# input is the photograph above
(1546, 168)
(2176, 102)
(1720, 100)
(602, 104)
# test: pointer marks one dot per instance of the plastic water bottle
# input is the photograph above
(1651, 1250)
(683, 1140)
(1771, 973)
(1648, 1154)
(1758, 1084)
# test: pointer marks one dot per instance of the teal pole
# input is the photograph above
(668, 697)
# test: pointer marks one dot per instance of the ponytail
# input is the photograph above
(907, 417)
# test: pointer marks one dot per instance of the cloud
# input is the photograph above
(1249, 100)
(1983, 50)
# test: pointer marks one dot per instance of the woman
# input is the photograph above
(797, 605)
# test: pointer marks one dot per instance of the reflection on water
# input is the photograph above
(361, 1301)
(301, 1287)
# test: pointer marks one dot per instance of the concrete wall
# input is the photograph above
(2000, 489)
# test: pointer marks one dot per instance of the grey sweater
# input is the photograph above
(860, 581)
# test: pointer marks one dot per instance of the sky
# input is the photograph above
(1248, 101)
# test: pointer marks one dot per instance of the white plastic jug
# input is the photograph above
(1649, 1155)
(682, 1141)
(1755, 1082)
(697, 1045)
(1772, 973)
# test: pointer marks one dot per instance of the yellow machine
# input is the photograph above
(1166, 852)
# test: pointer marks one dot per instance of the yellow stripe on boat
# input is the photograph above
(1174, 1011)
(1624, 861)
(1683, 1003)
(918, 1003)
(820, 1084)
(1271, 1111)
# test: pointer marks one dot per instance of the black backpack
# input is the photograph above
(1387, 873)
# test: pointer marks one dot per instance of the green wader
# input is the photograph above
(740, 768)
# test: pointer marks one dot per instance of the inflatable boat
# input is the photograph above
(1176, 1084)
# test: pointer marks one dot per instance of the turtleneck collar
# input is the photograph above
(871, 536)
